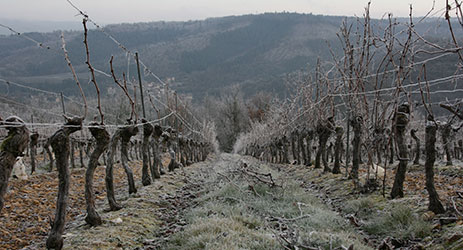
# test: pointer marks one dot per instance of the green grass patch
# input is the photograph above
(362, 207)
(401, 222)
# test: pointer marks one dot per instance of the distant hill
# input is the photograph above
(199, 57)
(37, 26)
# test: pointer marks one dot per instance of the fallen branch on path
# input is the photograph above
(264, 178)
(251, 187)
(293, 219)
(228, 179)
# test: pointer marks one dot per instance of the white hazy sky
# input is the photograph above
(117, 11)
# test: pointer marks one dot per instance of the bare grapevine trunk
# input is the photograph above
(33, 150)
(435, 204)
(50, 155)
(337, 150)
(356, 124)
(401, 122)
(170, 149)
(417, 148)
(460, 150)
(445, 133)
(156, 167)
(102, 140)
(324, 133)
(81, 154)
(134, 146)
(193, 149)
(182, 151)
(126, 134)
(273, 153)
(324, 151)
(309, 148)
(302, 147)
(147, 131)
(12, 147)
(284, 142)
(72, 143)
(379, 144)
(294, 147)
(113, 205)
(391, 146)
(60, 143)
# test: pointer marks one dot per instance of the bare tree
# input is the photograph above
(231, 118)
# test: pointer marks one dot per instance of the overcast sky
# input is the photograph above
(117, 11)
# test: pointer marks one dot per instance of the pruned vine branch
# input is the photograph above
(92, 70)
(76, 79)
(124, 88)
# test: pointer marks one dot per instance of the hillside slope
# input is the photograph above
(200, 57)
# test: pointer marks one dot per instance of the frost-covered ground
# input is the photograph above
(237, 202)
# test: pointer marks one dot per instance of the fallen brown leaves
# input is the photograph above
(447, 179)
(30, 204)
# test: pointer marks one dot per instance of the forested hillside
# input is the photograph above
(198, 57)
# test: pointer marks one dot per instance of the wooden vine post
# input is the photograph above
(401, 121)
(435, 204)
(147, 131)
(124, 134)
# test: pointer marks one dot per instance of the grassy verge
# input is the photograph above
(402, 221)
(241, 212)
